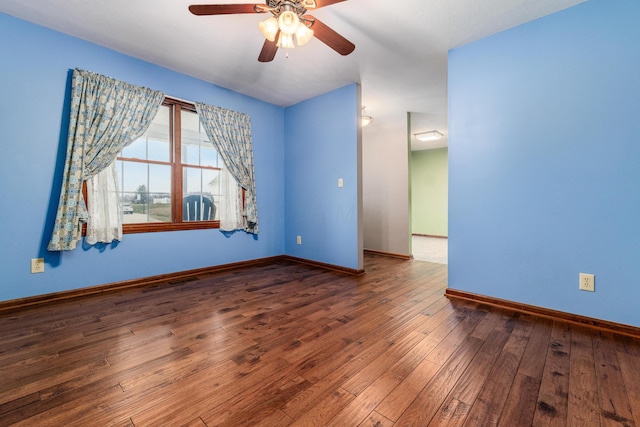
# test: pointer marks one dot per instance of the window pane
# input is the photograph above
(158, 136)
(211, 187)
(190, 151)
(198, 198)
(211, 182)
(145, 192)
(137, 149)
(159, 200)
(159, 178)
(133, 183)
(154, 143)
(159, 150)
(196, 147)
(131, 175)
(192, 180)
(190, 120)
(208, 155)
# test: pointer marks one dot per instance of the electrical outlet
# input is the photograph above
(340, 182)
(587, 282)
(299, 240)
(37, 265)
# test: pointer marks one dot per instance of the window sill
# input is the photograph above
(167, 226)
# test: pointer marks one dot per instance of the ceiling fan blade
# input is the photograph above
(223, 9)
(322, 3)
(329, 37)
(269, 50)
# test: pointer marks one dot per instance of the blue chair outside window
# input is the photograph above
(197, 207)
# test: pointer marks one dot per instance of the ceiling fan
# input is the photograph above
(289, 19)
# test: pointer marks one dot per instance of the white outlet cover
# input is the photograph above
(37, 265)
(587, 282)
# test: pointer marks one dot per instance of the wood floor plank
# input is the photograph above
(333, 377)
(267, 399)
(363, 348)
(170, 391)
(29, 385)
(456, 407)
(195, 423)
(627, 345)
(522, 399)
(376, 420)
(276, 419)
(583, 405)
(553, 397)
(67, 411)
(401, 397)
(206, 396)
(396, 350)
(629, 365)
(534, 357)
(302, 403)
(283, 343)
(436, 329)
(614, 401)
(456, 337)
(325, 410)
(407, 363)
(360, 407)
(172, 369)
(521, 403)
(357, 355)
(425, 405)
(488, 407)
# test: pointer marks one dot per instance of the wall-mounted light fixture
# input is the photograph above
(432, 135)
(365, 119)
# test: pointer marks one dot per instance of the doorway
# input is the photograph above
(428, 193)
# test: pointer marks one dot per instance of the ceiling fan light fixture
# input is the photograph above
(432, 135)
(285, 41)
(303, 35)
(269, 28)
(289, 22)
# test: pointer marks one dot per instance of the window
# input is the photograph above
(170, 177)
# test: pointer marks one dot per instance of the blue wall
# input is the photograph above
(321, 146)
(35, 71)
(544, 162)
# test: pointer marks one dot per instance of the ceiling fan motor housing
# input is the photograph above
(299, 7)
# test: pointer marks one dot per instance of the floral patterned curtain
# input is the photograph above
(106, 115)
(230, 133)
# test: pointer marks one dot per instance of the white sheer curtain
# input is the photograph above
(104, 223)
(231, 212)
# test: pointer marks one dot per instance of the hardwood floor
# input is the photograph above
(286, 344)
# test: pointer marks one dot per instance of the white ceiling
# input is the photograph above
(400, 58)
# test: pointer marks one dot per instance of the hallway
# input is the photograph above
(432, 249)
